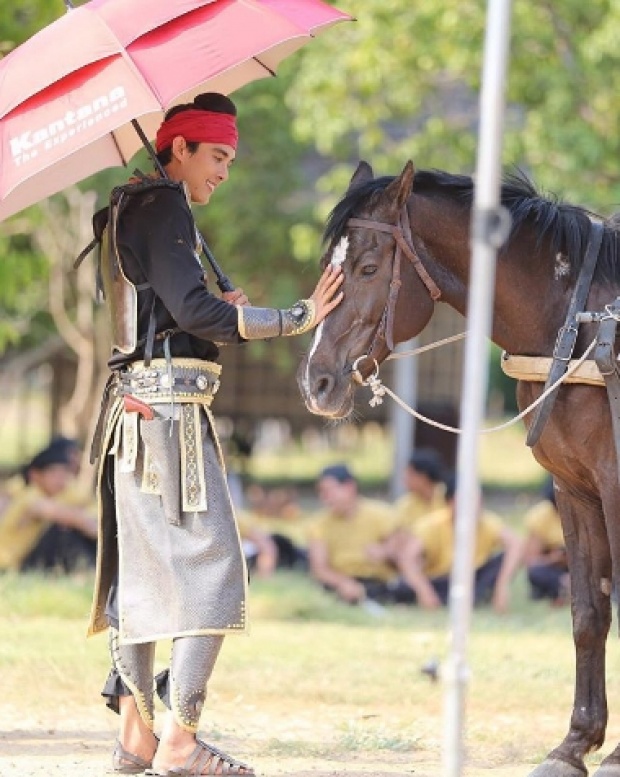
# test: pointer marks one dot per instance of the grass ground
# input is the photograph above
(317, 689)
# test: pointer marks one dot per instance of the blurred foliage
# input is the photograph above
(400, 82)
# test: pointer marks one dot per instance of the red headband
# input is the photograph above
(198, 126)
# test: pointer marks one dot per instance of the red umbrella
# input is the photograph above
(70, 95)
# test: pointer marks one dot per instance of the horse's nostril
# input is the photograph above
(323, 386)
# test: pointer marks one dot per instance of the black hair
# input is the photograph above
(427, 461)
(207, 101)
(339, 472)
(450, 481)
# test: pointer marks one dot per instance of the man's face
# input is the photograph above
(417, 482)
(52, 479)
(204, 170)
(338, 497)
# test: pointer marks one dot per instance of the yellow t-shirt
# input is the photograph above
(411, 509)
(346, 539)
(543, 522)
(19, 531)
(436, 533)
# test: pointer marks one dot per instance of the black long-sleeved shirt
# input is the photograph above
(156, 241)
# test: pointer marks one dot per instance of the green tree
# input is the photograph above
(403, 81)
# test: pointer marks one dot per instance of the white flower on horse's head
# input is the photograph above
(340, 252)
(562, 265)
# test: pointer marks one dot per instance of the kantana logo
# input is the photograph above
(29, 144)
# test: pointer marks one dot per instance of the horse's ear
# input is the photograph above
(361, 175)
(399, 191)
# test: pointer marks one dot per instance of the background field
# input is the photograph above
(317, 689)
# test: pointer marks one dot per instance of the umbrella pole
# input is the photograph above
(224, 283)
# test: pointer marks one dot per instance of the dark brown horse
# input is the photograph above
(536, 272)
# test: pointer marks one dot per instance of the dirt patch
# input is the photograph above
(81, 746)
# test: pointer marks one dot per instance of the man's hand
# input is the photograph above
(326, 295)
(351, 590)
(236, 297)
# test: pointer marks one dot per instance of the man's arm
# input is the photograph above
(410, 563)
(53, 511)
(346, 587)
(512, 561)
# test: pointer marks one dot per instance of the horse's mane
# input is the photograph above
(566, 226)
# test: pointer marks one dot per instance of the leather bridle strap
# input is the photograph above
(404, 244)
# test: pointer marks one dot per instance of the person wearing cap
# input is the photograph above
(498, 555)
(39, 505)
(170, 564)
(346, 539)
(424, 481)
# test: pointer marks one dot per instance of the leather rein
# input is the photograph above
(401, 232)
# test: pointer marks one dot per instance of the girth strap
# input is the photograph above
(567, 336)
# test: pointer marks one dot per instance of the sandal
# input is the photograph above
(124, 762)
(205, 755)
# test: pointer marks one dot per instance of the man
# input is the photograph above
(424, 480)
(170, 563)
(429, 557)
(40, 505)
(346, 540)
(545, 551)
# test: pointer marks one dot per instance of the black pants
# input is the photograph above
(546, 580)
(484, 581)
(62, 549)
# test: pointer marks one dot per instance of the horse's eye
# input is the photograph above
(369, 269)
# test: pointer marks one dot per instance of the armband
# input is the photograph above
(265, 323)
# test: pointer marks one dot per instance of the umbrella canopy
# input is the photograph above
(69, 94)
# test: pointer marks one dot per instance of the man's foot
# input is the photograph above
(203, 759)
(124, 762)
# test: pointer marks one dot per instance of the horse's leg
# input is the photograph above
(589, 561)
(610, 766)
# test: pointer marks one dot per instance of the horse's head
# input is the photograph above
(369, 236)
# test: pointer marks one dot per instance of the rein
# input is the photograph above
(379, 390)
(401, 232)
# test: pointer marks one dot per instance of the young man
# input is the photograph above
(497, 557)
(424, 479)
(346, 540)
(40, 505)
(545, 551)
(170, 563)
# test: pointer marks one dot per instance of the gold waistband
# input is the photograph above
(181, 380)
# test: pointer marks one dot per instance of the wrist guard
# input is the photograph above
(265, 323)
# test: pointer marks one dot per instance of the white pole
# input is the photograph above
(487, 229)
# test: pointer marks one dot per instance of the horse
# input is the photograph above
(403, 245)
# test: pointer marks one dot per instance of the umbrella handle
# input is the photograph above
(224, 283)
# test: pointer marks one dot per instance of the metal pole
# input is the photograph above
(488, 229)
(403, 423)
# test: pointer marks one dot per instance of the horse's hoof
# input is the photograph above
(553, 767)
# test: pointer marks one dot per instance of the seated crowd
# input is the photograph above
(364, 551)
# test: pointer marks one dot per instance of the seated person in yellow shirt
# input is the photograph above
(545, 551)
(38, 505)
(259, 549)
(424, 480)
(497, 557)
(277, 513)
(345, 541)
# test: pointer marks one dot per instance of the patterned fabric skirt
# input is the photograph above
(168, 533)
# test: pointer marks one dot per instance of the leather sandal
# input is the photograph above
(205, 755)
(124, 762)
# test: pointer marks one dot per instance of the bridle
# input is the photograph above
(401, 232)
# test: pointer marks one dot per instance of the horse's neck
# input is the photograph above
(527, 309)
